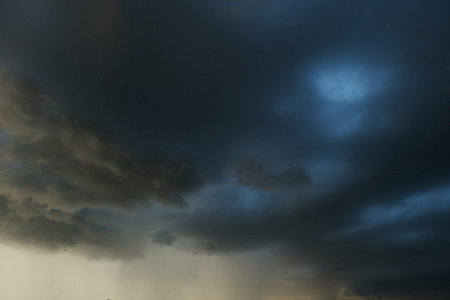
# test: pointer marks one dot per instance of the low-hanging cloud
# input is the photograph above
(60, 163)
(163, 237)
(93, 233)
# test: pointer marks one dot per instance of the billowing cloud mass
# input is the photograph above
(33, 225)
(57, 174)
(58, 162)
(222, 150)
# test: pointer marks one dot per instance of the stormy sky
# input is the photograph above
(224, 149)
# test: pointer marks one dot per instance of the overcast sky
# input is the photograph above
(224, 149)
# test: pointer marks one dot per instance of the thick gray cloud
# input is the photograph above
(58, 174)
(92, 233)
(259, 175)
(60, 163)
(163, 237)
(356, 92)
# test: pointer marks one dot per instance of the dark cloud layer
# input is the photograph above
(162, 237)
(46, 155)
(347, 100)
(258, 175)
(93, 233)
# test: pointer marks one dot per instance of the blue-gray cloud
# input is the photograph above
(351, 95)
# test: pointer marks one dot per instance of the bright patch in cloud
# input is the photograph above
(348, 82)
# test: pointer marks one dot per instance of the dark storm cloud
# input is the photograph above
(53, 169)
(46, 156)
(379, 260)
(319, 84)
(256, 174)
(32, 224)
(156, 77)
(4, 209)
(163, 237)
